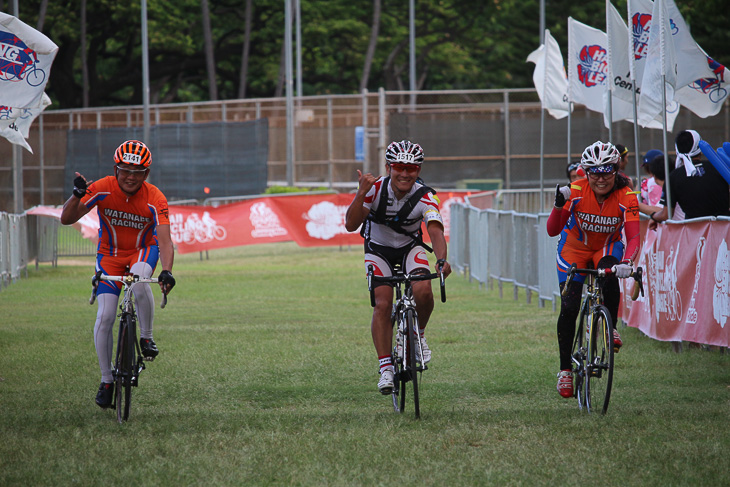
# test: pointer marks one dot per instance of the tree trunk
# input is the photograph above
(84, 58)
(246, 49)
(371, 47)
(41, 15)
(209, 58)
(282, 73)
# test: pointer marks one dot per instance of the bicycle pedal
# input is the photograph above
(149, 359)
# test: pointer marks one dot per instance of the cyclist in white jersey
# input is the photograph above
(393, 236)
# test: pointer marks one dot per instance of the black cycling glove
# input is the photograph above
(166, 279)
(561, 195)
(79, 187)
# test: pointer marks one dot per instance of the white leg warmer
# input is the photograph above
(103, 339)
(144, 300)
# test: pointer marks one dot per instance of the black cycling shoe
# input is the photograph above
(149, 349)
(104, 396)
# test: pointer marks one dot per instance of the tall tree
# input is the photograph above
(209, 56)
(371, 46)
(246, 48)
(84, 58)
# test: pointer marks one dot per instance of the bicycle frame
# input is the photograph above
(404, 319)
(129, 361)
(593, 350)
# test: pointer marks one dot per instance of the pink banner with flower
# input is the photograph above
(686, 284)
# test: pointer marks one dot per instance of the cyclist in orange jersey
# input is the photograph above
(590, 216)
(134, 233)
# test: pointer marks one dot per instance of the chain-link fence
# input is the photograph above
(485, 139)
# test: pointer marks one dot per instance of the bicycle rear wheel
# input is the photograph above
(124, 367)
(411, 367)
(599, 366)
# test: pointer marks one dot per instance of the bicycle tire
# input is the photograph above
(599, 366)
(578, 359)
(124, 367)
(397, 368)
(411, 363)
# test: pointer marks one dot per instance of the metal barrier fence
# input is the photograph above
(505, 246)
(25, 238)
(471, 138)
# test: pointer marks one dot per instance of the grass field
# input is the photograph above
(267, 376)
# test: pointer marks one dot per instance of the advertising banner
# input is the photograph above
(686, 284)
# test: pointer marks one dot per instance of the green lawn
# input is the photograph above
(267, 376)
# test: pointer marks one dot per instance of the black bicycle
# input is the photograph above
(129, 361)
(407, 348)
(593, 348)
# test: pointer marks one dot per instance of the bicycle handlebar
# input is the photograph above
(404, 278)
(126, 280)
(636, 275)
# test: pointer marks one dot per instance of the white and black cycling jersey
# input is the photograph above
(427, 209)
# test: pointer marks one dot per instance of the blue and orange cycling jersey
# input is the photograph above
(593, 225)
(126, 223)
(590, 230)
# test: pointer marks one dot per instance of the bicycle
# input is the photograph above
(406, 358)
(593, 350)
(129, 361)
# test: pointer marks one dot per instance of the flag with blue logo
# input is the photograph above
(660, 71)
(26, 56)
(587, 65)
(622, 47)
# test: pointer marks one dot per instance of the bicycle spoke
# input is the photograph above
(599, 365)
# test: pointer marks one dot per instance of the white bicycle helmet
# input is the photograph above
(404, 152)
(600, 157)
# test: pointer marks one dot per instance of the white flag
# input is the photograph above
(587, 65)
(618, 55)
(26, 56)
(705, 96)
(15, 122)
(639, 12)
(549, 77)
(622, 48)
(691, 60)
(660, 62)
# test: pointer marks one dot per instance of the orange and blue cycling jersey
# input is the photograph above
(127, 226)
(590, 230)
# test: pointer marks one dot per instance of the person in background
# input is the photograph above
(623, 161)
(695, 185)
(573, 171)
(651, 187)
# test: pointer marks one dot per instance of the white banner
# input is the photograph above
(620, 53)
(706, 96)
(587, 65)
(26, 56)
(660, 62)
(639, 20)
(691, 60)
(549, 77)
(15, 122)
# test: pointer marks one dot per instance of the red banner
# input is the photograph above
(686, 284)
(309, 220)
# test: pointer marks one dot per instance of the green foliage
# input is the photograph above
(291, 189)
(459, 45)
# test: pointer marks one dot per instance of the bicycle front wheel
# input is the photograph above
(599, 365)
(578, 359)
(411, 368)
(124, 367)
